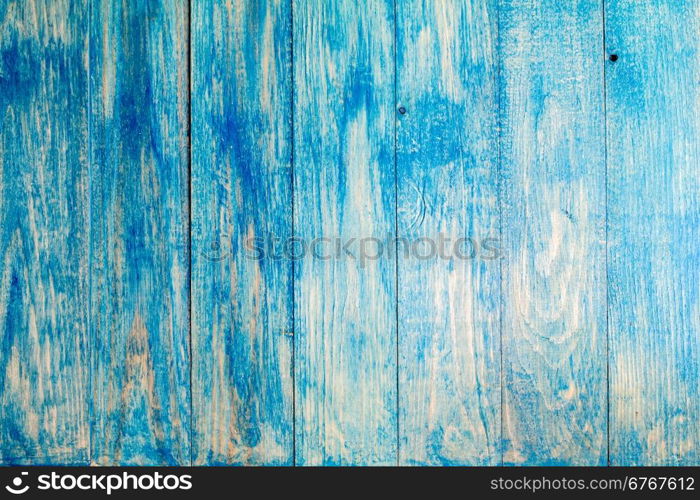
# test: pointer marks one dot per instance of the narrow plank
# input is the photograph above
(447, 169)
(553, 180)
(653, 114)
(43, 233)
(139, 268)
(241, 187)
(345, 327)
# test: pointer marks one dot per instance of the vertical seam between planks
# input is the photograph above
(396, 231)
(499, 120)
(188, 42)
(292, 94)
(607, 287)
(90, 339)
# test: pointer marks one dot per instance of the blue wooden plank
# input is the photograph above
(553, 206)
(139, 220)
(345, 326)
(654, 228)
(43, 233)
(447, 170)
(241, 187)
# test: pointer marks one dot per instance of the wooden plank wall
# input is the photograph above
(187, 190)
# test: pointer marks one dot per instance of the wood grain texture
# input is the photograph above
(43, 233)
(242, 333)
(654, 229)
(345, 326)
(564, 329)
(553, 199)
(447, 169)
(139, 220)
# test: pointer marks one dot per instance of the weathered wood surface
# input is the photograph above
(242, 332)
(553, 208)
(653, 107)
(447, 174)
(44, 213)
(344, 187)
(259, 120)
(139, 266)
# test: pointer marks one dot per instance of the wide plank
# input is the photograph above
(553, 211)
(653, 112)
(139, 232)
(44, 231)
(242, 331)
(448, 245)
(344, 189)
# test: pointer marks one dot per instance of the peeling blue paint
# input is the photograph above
(141, 146)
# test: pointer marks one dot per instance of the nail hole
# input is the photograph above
(402, 110)
(613, 57)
